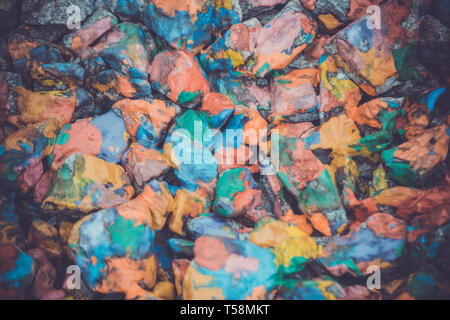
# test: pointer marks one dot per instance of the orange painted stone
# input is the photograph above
(178, 75)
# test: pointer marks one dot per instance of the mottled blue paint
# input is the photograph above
(169, 28)
(312, 140)
(196, 163)
(146, 134)
(45, 54)
(129, 8)
(211, 226)
(95, 240)
(83, 97)
(235, 129)
(307, 293)
(220, 119)
(365, 245)
(61, 70)
(14, 278)
(433, 96)
(113, 128)
(360, 36)
(181, 246)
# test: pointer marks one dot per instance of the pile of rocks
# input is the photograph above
(218, 149)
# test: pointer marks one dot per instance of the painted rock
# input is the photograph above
(379, 181)
(91, 29)
(294, 92)
(339, 134)
(410, 202)
(235, 270)
(324, 288)
(194, 165)
(378, 241)
(16, 272)
(153, 204)
(126, 50)
(291, 246)
(42, 186)
(192, 126)
(418, 161)
(23, 152)
(233, 49)
(27, 55)
(181, 247)
(211, 226)
(389, 48)
(64, 231)
(191, 201)
(246, 133)
(428, 223)
(58, 75)
(188, 25)
(422, 112)
(39, 106)
(216, 109)
(339, 12)
(86, 105)
(314, 53)
(12, 233)
(231, 151)
(300, 172)
(282, 209)
(119, 64)
(238, 194)
(187, 150)
(245, 94)
(86, 183)
(46, 237)
(336, 88)
(179, 76)
(113, 86)
(115, 252)
(164, 290)
(254, 127)
(143, 164)
(301, 221)
(297, 31)
(44, 280)
(382, 139)
(102, 136)
(372, 112)
(146, 120)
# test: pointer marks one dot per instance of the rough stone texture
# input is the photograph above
(53, 11)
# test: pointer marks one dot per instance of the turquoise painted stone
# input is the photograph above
(234, 270)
